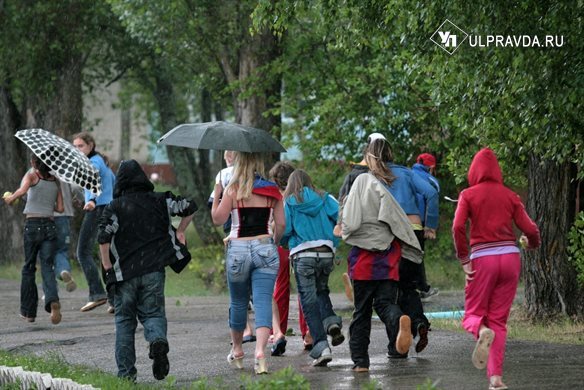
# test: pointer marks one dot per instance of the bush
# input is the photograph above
(208, 265)
(576, 246)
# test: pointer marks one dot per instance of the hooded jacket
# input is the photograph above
(407, 186)
(423, 172)
(491, 208)
(312, 219)
(137, 224)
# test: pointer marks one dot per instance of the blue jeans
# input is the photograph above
(85, 247)
(140, 298)
(251, 264)
(312, 275)
(40, 236)
(63, 226)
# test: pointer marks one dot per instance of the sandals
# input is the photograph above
(480, 355)
(307, 341)
(261, 366)
(235, 361)
(279, 347)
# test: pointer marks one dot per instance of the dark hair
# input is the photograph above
(377, 154)
(280, 173)
(40, 166)
(296, 183)
(88, 139)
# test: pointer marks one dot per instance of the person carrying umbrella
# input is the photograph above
(93, 208)
(40, 237)
(252, 255)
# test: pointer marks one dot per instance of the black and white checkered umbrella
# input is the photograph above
(68, 163)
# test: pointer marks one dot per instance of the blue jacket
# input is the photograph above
(107, 182)
(311, 220)
(424, 172)
(404, 189)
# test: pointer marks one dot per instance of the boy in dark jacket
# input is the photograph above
(136, 241)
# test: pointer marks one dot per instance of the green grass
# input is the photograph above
(562, 331)
(58, 368)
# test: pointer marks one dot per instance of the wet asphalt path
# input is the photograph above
(199, 343)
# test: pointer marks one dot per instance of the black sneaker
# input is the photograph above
(160, 365)
(336, 334)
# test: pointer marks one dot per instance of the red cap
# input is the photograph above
(427, 159)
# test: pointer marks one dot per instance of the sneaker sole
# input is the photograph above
(480, 355)
(160, 366)
(404, 336)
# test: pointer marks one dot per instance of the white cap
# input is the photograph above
(373, 136)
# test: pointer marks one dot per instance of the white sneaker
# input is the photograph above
(425, 296)
(325, 357)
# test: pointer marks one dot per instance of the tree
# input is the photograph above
(43, 71)
(371, 67)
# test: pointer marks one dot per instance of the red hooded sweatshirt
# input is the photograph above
(491, 208)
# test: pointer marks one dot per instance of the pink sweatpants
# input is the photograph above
(488, 300)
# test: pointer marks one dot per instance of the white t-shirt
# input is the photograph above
(224, 176)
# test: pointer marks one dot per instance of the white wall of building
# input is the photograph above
(103, 118)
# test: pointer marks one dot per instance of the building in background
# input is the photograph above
(124, 134)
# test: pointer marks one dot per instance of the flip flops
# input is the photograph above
(248, 339)
(279, 347)
(480, 355)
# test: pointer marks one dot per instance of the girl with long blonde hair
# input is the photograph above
(252, 256)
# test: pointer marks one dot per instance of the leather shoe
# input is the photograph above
(93, 304)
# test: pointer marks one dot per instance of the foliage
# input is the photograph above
(208, 265)
(352, 68)
(576, 247)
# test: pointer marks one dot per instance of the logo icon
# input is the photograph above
(449, 36)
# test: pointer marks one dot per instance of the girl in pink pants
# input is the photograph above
(492, 268)
(488, 301)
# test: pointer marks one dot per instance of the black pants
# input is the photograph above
(384, 294)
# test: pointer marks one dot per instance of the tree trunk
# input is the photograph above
(185, 164)
(15, 164)
(63, 112)
(551, 288)
(257, 109)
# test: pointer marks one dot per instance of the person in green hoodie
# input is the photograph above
(310, 218)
